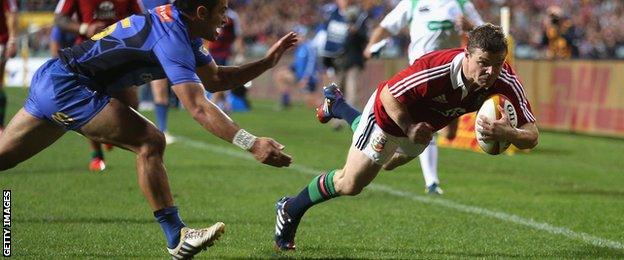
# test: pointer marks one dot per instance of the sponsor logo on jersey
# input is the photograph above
(379, 142)
(453, 112)
(164, 13)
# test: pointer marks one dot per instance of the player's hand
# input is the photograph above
(270, 152)
(285, 43)
(11, 49)
(420, 133)
(95, 28)
(494, 130)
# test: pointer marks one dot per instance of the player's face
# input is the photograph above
(484, 67)
(216, 20)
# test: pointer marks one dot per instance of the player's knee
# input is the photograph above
(352, 190)
(153, 144)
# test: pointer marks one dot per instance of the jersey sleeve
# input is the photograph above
(66, 7)
(177, 57)
(398, 18)
(514, 91)
(472, 14)
(410, 85)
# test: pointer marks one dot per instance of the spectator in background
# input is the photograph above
(92, 17)
(355, 44)
(8, 47)
(228, 45)
(302, 72)
(333, 34)
(558, 35)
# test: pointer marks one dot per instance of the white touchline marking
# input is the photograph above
(587, 238)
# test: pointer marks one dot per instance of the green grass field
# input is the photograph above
(563, 200)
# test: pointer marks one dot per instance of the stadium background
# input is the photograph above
(564, 200)
(578, 91)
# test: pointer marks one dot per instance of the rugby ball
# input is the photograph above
(489, 109)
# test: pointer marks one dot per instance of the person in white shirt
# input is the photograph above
(433, 25)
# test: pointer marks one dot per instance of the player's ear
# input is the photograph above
(202, 12)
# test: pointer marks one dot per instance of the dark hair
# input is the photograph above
(488, 38)
(189, 6)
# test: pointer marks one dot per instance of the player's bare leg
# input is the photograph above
(122, 126)
(127, 96)
(356, 174)
(25, 136)
(397, 160)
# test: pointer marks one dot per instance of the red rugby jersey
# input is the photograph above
(89, 11)
(7, 6)
(433, 91)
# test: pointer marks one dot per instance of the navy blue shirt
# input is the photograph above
(337, 30)
(138, 49)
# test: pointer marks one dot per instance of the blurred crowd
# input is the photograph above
(586, 29)
(542, 29)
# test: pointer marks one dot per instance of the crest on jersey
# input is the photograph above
(203, 50)
(379, 142)
(62, 119)
(164, 13)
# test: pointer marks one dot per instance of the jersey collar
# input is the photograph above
(456, 74)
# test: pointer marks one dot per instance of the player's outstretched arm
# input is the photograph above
(211, 118)
(523, 137)
(220, 78)
(378, 34)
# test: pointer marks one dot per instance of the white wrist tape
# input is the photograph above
(244, 139)
(83, 28)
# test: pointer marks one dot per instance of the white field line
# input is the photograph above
(587, 238)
